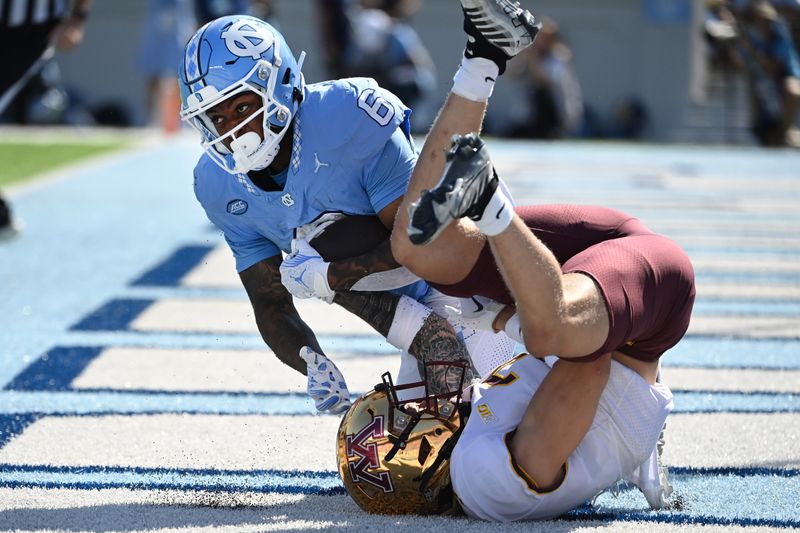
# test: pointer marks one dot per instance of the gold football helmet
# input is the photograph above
(394, 455)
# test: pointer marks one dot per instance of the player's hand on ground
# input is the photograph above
(305, 274)
(326, 385)
(476, 312)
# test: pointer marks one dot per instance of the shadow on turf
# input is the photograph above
(230, 511)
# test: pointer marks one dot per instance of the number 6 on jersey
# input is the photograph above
(374, 108)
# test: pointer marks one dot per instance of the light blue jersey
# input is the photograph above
(351, 153)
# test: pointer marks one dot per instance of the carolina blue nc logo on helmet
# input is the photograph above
(243, 40)
(237, 207)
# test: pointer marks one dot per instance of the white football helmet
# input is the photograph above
(229, 56)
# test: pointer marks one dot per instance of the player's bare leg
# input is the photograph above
(451, 259)
(563, 315)
(497, 30)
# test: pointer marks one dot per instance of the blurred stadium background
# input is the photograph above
(136, 395)
(648, 51)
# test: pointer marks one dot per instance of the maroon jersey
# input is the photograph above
(647, 280)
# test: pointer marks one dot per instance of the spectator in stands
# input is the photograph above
(33, 31)
(555, 96)
(264, 10)
(773, 67)
(167, 27)
(208, 10)
(335, 32)
(385, 47)
(790, 11)
(721, 33)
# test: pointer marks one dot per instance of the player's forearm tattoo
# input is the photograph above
(375, 308)
(343, 274)
(276, 317)
(437, 341)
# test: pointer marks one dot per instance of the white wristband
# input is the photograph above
(475, 79)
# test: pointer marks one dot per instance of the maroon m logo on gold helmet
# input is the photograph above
(368, 456)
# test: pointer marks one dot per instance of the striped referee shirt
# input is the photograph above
(17, 13)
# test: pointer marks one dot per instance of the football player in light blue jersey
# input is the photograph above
(281, 156)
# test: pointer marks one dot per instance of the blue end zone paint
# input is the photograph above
(746, 308)
(126, 403)
(710, 250)
(93, 478)
(716, 352)
(736, 402)
(115, 315)
(749, 277)
(336, 344)
(734, 471)
(172, 270)
(13, 425)
(710, 496)
(54, 370)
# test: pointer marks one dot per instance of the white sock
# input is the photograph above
(408, 320)
(499, 212)
(475, 78)
(513, 329)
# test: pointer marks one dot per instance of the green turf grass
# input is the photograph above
(20, 161)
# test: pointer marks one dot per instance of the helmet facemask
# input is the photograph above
(248, 151)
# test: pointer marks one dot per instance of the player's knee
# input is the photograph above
(542, 337)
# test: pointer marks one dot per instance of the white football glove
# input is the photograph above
(476, 312)
(326, 384)
(314, 229)
(305, 274)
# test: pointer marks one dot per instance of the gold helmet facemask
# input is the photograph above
(394, 455)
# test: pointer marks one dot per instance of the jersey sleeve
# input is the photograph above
(386, 176)
(372, 136)
(248, 246)
(248, 252)
(365, 116)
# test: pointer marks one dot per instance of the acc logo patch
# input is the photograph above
(243, 40)
(237, 207)
(367, 457)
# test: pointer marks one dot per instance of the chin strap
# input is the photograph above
(400, 441)
(464, 409)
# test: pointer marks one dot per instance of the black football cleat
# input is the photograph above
(467, 185)
(497, 29)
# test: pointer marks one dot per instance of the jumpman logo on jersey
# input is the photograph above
(299, 279)
(319, 164)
